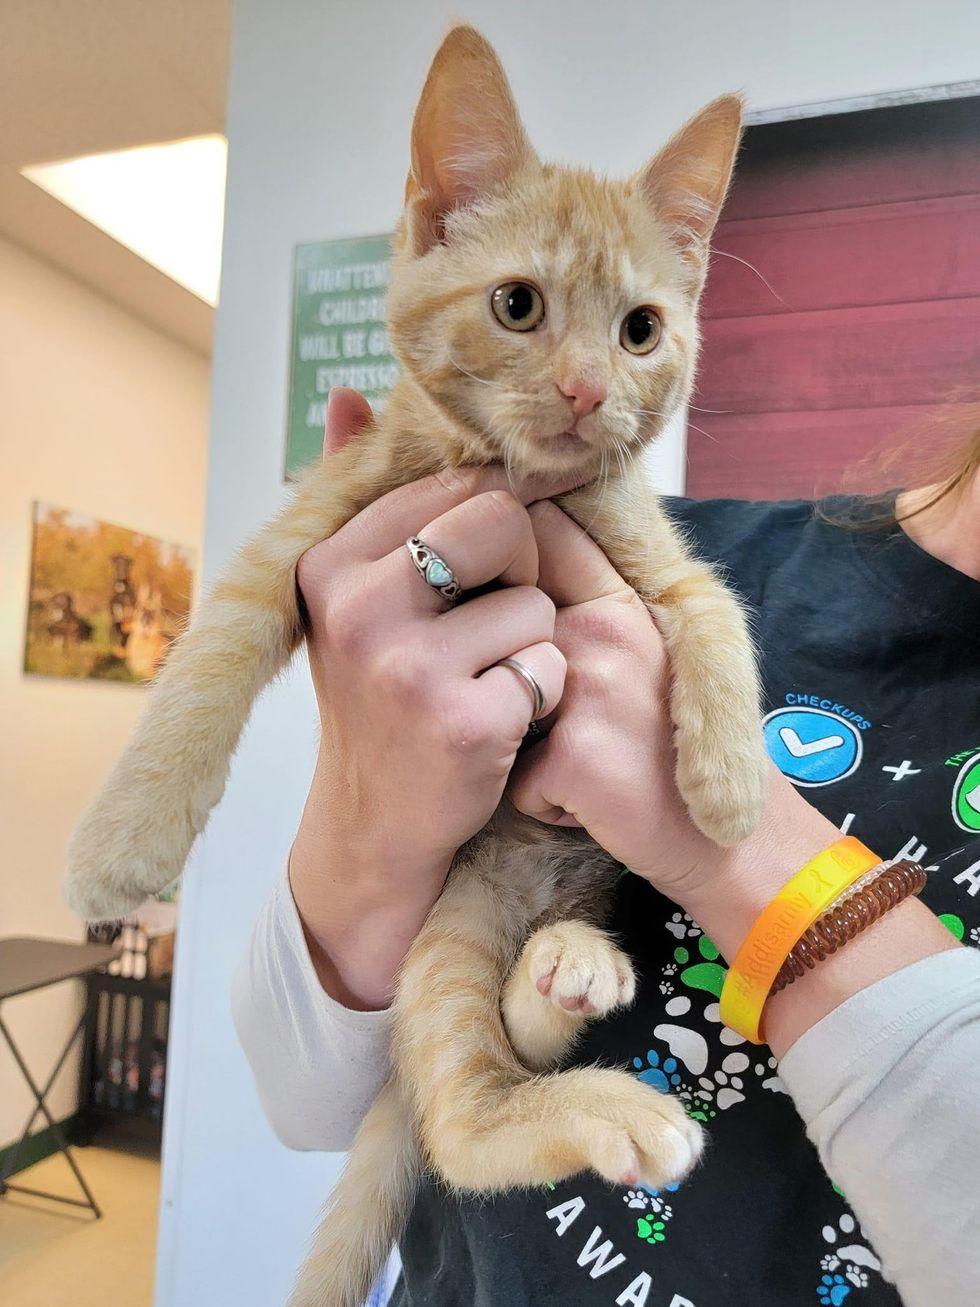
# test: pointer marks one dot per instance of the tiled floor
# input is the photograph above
(51, 1254)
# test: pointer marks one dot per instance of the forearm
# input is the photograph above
(887, 1088)
(317, 1065)
(791, 834)
(878, 1047)
(361, 899)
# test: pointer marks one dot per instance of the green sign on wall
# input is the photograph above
(339, 336)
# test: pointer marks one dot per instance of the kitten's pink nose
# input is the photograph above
(586, 395)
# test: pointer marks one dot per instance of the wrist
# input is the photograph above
(361, 900)
(347, 857)
(728, 896)
(359, 931)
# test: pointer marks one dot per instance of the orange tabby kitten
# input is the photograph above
(515, 273)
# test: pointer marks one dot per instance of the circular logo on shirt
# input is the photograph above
(966, 795)
(812, 747)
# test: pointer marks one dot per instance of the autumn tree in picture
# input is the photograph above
(105, 602)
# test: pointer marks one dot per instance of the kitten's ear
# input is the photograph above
(687, 181)
(467, 136)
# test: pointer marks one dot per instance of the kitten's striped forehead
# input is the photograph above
(595, 238)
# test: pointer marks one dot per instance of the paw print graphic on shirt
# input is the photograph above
(725, 1086)
(767, 1073)
(849, 1247)
(832, 1289)
(707, 973)
(681, 926)
(975, 936)
(848, 1262)
(650, 1231)
(731, 1038)
(651, 1211)
(698, 1106)
(662, 1075)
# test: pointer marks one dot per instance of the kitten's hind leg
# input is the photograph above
(366, 1211)
(486, 1123)
(568, 973)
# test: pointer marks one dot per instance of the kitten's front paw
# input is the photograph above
(632, 1134)
(724, 784)
(121, 853)
(579, 969)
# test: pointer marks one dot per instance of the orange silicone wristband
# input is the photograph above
(781, 925)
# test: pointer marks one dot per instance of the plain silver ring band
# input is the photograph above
(528, 676)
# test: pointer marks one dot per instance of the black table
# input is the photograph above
(26, 965)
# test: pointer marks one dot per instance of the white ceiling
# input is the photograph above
(83, 76)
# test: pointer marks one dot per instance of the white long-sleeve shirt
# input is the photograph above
(886, 1085)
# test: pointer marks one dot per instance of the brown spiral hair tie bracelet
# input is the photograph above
(867, 900)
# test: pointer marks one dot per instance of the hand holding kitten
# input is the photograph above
(608, 762)
(416, 744)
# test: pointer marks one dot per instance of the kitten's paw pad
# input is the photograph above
(638, 1136)
(725, 789)
(580, 970)
(124, 849)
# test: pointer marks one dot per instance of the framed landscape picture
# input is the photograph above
(105, 602)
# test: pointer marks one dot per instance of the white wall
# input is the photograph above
(101, 414)
(321, 98)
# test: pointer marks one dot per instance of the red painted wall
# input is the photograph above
(864, 314)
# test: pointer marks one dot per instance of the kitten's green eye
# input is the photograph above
(641, 331)
(518, 306)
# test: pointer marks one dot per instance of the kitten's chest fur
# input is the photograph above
(540, 873)
(415, 438)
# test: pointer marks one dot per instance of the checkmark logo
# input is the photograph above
(966, 796)
(812, 746)
(798, 749)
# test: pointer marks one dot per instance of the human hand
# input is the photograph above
(608, 765)
(608, 762)
(420, 728)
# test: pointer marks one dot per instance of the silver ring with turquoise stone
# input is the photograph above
(433, 569)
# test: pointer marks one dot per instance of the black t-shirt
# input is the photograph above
(871, 665)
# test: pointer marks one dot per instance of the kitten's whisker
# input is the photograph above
(620, 457)
(604, 478)
(626, 453)
(752, 268)
(708, 434)
(650, 412)
(485, 381)
(508, 468)
(698, 409)
(715, 441)
(693, 425)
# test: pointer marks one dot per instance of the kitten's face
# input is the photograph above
(549, 313)
(555, 322)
